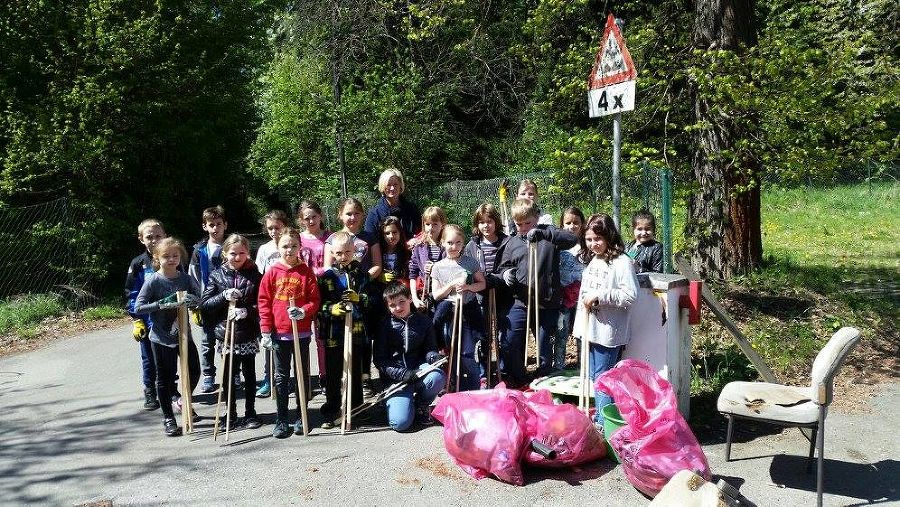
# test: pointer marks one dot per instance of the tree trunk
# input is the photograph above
(724, 214)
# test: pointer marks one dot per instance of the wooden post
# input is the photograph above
(301, 376)
(584, 396)
(228, 325)
(187, 413)
(229, 342)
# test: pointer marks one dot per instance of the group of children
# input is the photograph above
(400, 293)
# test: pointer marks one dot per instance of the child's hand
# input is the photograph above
(535, 235)
(138, 330)
(350, 296)
(296, 313)
(266, 341)
(191, 301)
(196, 317)
(590, 302)
(387, 276)
(232, 294)
(237, 313)
(169, 302)
(338, 310)
(428, 266)
(509, 277)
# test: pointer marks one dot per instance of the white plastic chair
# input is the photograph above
(803, 407)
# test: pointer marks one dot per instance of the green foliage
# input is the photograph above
(19, 314)
(103, 312)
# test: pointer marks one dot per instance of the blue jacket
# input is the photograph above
(138, 270)
(201, 263)
(407, 212)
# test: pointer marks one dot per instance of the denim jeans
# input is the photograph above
(401, 406)
(563, 331)
(148, 364)
(472, 333)
(602, 359)
(208, 350)
(512, 341)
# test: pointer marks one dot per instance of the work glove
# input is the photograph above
(350, 296)
(191, 301)
(387, 276)
(434, 357)
(195, 316)
(169, 302)
(296, 313)
(235, 313)
(535, 235)
(266, 341)
(409, 377)
(232, 294)
(338, 310)
(139, 330)
(509, 277)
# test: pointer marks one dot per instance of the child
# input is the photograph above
(511, 269)
(646, 252)
(394, 255)
(287, 279)
(487, 238)
(460, 276)
(236, 281)
(275, 221)
(158, 299)
(150, 231)
(570, 269)
(425, 253)
(528, 190)
(343, 289)
(312, 251)
(406, 344)
(207, 257)
(608, 288)
(368, 253)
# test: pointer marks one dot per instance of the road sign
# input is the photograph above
(613, 62)
(611, 99)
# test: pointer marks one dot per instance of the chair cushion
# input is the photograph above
(771, 402)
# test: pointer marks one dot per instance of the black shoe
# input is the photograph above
(171, 427)
(298, 427)
(251, 422)
(150, 401)
(195, 417)
(281, 430)
(423, 417)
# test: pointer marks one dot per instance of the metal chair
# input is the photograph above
(803, 407)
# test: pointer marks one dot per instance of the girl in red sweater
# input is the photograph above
(286, 279)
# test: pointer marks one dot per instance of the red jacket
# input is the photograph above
(278, 286)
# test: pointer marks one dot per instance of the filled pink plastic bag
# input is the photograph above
(485, 432)
(563, 428)
(657, 442)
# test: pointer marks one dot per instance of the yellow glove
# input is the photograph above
(387, 276)
(350, 296)
(338, 310)
(138, 330)
(195, 316)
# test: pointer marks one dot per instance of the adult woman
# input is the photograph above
(392, 202)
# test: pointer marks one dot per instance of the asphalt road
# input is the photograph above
(73, 431)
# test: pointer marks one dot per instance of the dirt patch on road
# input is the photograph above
(437, 466)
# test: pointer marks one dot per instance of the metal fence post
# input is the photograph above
(665, 175)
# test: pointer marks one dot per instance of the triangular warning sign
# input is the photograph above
(613, 62)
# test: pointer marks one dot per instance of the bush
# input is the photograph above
(20, 312)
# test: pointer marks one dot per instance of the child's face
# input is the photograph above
(170, 260)
(487, 227)
(453, 244)
(595, 242)
(391, 235)
(311, 220)
(274, 227)
(289, 248)
(399, 306)
(573, 224)
(236, 256)
(343, 254)
(351, 217)
(392, 189)
(433, 229)
(643, 231)
(526, 224)
(527, 192)
(151, 236)
(215, 228)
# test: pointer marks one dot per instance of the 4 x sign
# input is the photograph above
(611, 83)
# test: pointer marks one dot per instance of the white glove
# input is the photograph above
(296, 313)
(235, 313)
(232, 294)
(266, 341)
(509, 277)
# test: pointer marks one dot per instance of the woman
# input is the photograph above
(391, 186)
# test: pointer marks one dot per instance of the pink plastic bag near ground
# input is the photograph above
(563, 428)
(657, 442)
(485, 432)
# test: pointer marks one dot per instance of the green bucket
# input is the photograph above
(612, 422)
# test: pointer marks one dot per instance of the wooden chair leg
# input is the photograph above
(728, 437)
(820, 443)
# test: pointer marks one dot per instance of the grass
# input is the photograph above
(832, 259)
(103, 312)
(20, 315)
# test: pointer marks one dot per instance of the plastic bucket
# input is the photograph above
(612, 422)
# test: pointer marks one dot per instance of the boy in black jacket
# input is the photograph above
(405, 345)
(511, 270)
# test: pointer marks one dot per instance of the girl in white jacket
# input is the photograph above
(608, 289)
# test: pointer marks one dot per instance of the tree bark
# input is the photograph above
(724, 214)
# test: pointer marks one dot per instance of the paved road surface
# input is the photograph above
(72, 431)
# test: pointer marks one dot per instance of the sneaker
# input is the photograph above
(327, 425)
(171, 427)
(281, 430)
(251, 422)
(150, 401)
(264, 389)
(208, 384)
(298, 427)
(423, 417)
(195, 417)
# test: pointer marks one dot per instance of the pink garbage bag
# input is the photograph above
(657, 442)
(485, 432)
(563, 428)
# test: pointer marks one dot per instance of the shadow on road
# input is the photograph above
(872, 482)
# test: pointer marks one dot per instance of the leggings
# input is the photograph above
(284, 351)
(166, 367)
(247, 365)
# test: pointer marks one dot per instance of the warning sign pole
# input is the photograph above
(617, 157)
